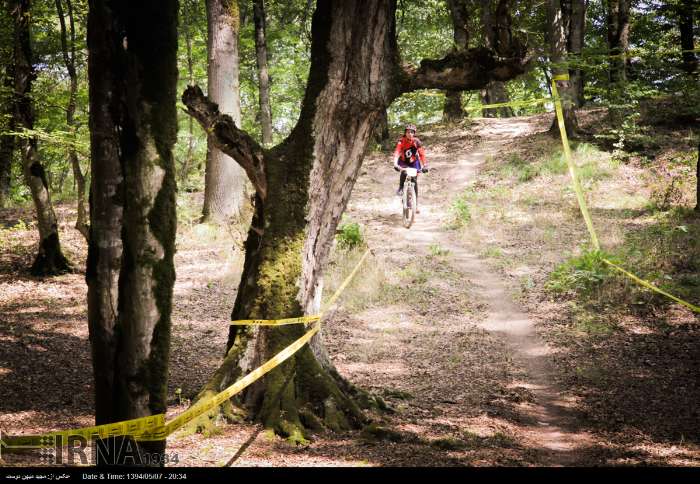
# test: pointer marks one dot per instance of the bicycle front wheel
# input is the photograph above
(409, 205)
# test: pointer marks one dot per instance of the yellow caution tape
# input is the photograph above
(345, 283)
(582, 201)
(154, 427)
(303, 319)
(127, 427)
(512, 104)
(569, 160)
(651, 286)
(275, 322)
(210, 403)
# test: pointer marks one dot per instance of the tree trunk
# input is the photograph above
(452, 112)
(493, 24)
(557, 43)
(302, 188)
(697, 182)
(618, 39)
(81, 223)
(187, 34)
(686, 25)
(381, 130)
(130, 271)
(225, 183)
(263, 77)
(7, 142)
(7, 103)
(50, 260)
(575, 15)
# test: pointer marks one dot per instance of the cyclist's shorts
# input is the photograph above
(414, 164)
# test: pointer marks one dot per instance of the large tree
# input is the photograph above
(302, 187)
(132, 70)
(68, 50)
(50, 259)
(7, 118)
(618, 30)
(574, 23)
(225, 183)
(495, 25)
(557, 54)
(460, 11)
(686, 11)
(263, 75)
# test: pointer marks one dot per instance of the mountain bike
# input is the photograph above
(409, 199)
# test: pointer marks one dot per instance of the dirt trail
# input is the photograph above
(547, 421)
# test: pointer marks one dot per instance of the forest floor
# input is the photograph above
(452, 322)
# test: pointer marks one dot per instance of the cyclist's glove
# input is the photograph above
(424, 170)
(397, 168)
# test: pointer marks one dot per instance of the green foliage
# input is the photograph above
(461, 214)
(437, 251)
(519, 168)
(670, 182)
(349, 236)
(581, 274)
(11, 236)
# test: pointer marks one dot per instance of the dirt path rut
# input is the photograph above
(549, 422)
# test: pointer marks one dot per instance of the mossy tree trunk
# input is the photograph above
(303, 186)
(130, 272)
(50, 259)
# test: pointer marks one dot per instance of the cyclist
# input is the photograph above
(409, 153)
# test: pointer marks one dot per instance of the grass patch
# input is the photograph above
(581, 274)
(592, 164)
(437, 251)
(460, 211)
(428, 286)
(370, 286)
(349, 236)
(493, 252)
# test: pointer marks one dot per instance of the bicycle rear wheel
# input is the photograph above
(409, 205)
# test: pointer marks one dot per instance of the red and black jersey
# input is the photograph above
(406, 150)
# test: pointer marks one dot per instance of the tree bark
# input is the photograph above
(459, 10)
(7, 103)
(686, 25)
(187, 34)
(263, 76)
(618, 39)
(81, 223)
(557, 43)
(7, 141)
(575, 22)
(50, 259)
(224, 186)
(697, 182)
(381, 130)
(494, 25)
(130, 272)
(303, 186)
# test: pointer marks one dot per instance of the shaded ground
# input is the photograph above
(449, 323)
